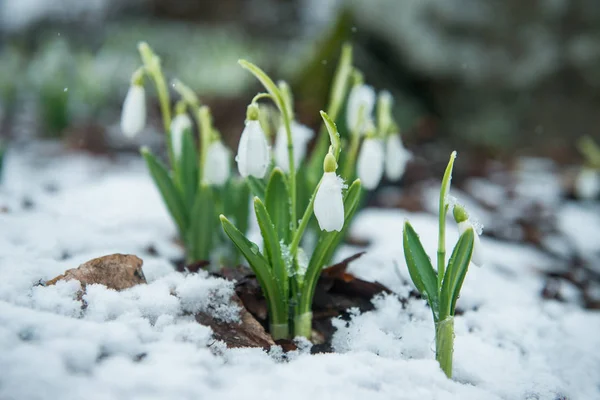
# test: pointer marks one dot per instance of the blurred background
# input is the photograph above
(496, 77)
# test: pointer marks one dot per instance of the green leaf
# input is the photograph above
(325, 247)
(257, 187)
(456, 272)
(188, 168)
(203, 225)
(420, 268)
(260, 267)
(272, 248)
(277, 202)
(168, 191)
(236, 202)
(334, 135)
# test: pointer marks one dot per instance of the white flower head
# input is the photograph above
(396, 157)
(301, 135)
(179, 125)
(361, 101)
(587, 184)
(464, 223)
(370, 163)
(253, 151)
(217, 167)
(329, 203)
(133, 114)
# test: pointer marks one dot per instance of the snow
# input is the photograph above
(143, 343)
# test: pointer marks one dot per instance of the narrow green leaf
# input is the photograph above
(273, 249)
(456, 272)
(260, 267)
(203, 225)
(325, 247)
(277, 202)
(420, 268)
(334, 135)
(188, 169)
(168, 190)
(257, 187)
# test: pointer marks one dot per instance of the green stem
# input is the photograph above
(303, 325)
(304, 221)
(292, 167)
(279, 331)
(444, 344)
(205, 124)
(441, 253)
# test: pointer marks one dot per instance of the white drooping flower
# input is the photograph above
(359, 111)
(587, 184)
(329, 203)
(133, 114)
(179, 125)
(465, 222)
(217, 166)
(301, 135)
(369, 166)
(396, 157)
(253, 151)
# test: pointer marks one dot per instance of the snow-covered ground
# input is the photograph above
(61, 210)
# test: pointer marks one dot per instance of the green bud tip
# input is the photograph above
(460, 214)
(180, 107)
(357, 77)
(252, 113)
(137, 78)
(329, 163)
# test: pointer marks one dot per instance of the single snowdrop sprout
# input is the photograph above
(396, 157)
(464, 223)
(253, 151)
(441, 288)
(301, 136)
(370, 163)
(359, 111)
(179, 125)
(133, 115)
(329, 202)
(198, 166)
(217, 166)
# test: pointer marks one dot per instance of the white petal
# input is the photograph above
(329, 203)
(180, 123)
(477, 256)
(133, 114)
(587, 184)
(216, 169)
(301, 135)
(253, 151)
(369, 167)
(361, 96)
(396, 158)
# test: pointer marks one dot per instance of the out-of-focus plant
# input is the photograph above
(196, 186)
(287, 275)
(587, 182)
(442, 288)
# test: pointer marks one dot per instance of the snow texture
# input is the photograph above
(143, 343)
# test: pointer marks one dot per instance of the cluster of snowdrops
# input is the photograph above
(287, 186)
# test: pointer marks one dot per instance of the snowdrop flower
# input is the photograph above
(301, 135)
(133, 115)
(464, 222)
(396, 157)
(216, 169)
(587, 184)
(370, 163)
(361, 101)
(179, 125)
(253, 151)
(329, 203)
